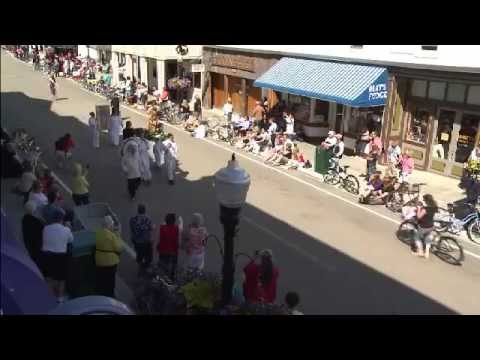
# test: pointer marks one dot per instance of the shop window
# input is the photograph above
(300, 106)
(466, 137)
(419, 88)
(436, 90)
(417, 127)
(456, 93)
(197, 80)
(363, 119)
(121, 59)
(321, 111)
(446, 119)
(474, 95)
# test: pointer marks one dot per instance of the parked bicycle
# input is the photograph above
(347, 181)
(445, 247)
(470, 222)
(406, 195)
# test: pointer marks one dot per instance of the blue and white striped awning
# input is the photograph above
(348, 84)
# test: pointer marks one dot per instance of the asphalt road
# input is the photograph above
(341, 257)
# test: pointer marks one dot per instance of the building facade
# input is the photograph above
(230, 74)
(431, 94)
(154, 65)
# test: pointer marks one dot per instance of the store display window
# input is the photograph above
(417, 126)
(467, 136)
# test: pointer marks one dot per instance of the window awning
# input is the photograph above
(348, 84)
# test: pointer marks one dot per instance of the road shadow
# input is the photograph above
(332, 281)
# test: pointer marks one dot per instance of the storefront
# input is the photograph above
(231, 74)
(326, 95)
(437, 119)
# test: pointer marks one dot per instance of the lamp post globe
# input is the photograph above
(232, 184)
(231, 187)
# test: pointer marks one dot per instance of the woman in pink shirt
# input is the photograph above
(407, 164)
(194, 242)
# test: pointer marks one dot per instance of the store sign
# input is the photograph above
(198, 67)
(378, 91)
(239, 62)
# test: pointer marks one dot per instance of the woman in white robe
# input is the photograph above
(94, 127)
(159, 153)
(144, 147)
(116, 128)
(171, 154)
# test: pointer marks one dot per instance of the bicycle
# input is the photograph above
(445, 247)
(406, 195)
(470, 222)
(347, 181)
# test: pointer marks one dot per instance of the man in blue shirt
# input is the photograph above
(141, 228)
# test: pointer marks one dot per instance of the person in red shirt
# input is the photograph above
(261, 278)
(169, 243)
(164, 96)
(63, 147)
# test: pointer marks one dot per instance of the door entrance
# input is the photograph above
(455, 136)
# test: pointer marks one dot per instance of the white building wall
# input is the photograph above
(161, 74)
(159, 52)
(128, 67)
(82, 51)
(455, 56)
(143, 70)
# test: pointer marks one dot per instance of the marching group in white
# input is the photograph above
(136, 151)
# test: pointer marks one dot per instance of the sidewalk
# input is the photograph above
(443, 188)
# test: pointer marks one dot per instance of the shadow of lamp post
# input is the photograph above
(231, 187)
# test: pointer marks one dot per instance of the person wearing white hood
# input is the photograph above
(144, 147)
(131, 167)
(94, 126)
(159, 153)
(171, 153)
(116, 128)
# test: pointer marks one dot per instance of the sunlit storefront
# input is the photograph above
(437, 120)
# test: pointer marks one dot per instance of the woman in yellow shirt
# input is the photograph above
(80, 185)
(108, 247)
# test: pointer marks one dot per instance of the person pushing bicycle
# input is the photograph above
(425, 213)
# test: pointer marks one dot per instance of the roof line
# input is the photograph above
(356, 60)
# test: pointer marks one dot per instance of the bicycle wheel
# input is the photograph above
(352, 185)
(332, 177)
(407, 231)
(394, 202)
(473, 231)
(449, 250)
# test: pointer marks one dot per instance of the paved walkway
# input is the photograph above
(445, 189)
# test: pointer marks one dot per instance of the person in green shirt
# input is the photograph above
(80, 185)
(108, 247)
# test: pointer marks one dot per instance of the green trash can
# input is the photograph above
(322, 160)
(81, 270)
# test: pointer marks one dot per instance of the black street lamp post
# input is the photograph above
(231, 187)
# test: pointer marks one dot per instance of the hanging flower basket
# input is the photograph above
(176, 83)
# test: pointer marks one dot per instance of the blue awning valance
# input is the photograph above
(348, 84)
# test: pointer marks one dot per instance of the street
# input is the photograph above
(341, 257)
